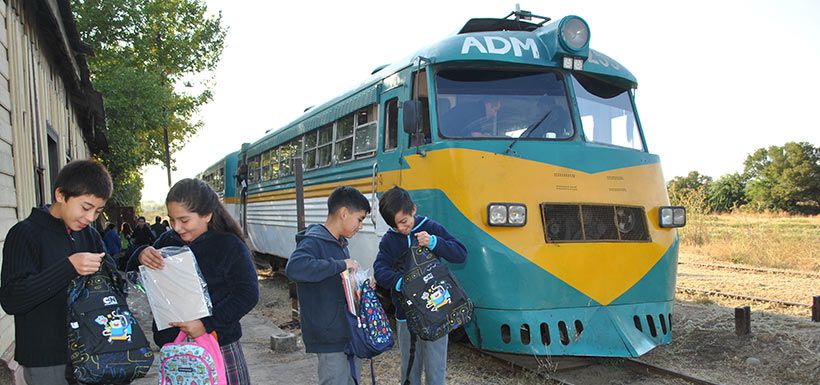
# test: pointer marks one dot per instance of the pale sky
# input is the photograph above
(716, 79)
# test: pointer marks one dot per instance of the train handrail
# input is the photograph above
(373, 197)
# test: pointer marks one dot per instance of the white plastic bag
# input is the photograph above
(177, 293)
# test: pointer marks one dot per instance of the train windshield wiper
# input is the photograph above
(528, 131)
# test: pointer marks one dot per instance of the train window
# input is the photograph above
(391, 124)
(265, 166)
(253, 169)
(274, 163)
(420, 92)
(485, 103)
(365, 138)
(607, 114)
(287, 153)
(310, 150)
(344, 139)
(325, 146)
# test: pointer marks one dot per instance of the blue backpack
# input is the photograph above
(106, 345)
(370, 333)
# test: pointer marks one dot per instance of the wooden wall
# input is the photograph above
(35, 107)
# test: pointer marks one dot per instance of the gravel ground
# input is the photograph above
(784, 347)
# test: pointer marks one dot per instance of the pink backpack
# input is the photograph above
(192, 363)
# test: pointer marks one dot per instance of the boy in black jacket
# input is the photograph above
(320, 257)
(41, 256)
(398, 210)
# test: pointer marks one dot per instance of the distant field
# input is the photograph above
(779, 241)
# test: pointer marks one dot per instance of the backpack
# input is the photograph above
(432, 299)
(192, 363)
(370, 333)
(105, 342)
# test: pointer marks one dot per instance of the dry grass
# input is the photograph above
(770, 240)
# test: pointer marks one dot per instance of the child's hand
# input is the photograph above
(423, 238)
(372, 281)
(193, 328)
(86, 263)
(150, 257)
(351, 264)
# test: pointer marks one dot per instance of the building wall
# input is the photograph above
(35, 109)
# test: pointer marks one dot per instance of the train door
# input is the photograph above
(387, 170)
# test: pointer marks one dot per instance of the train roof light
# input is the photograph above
(568, 62)
(574, 33)
(577, 64)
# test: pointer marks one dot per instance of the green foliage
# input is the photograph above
(726, 193)
(784, 178)
(689, 191)
(145, 50)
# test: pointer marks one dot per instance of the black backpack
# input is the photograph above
(105, 342)
(432, 299)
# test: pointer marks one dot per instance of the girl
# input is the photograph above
(200, 221)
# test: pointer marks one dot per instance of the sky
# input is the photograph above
(716, 79)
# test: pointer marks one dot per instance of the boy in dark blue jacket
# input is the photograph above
(320, 257)
(41, 256)
(399, 211)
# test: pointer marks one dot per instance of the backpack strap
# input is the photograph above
(412, 358)
(351, 360)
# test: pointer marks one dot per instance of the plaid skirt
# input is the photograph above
(236, 369)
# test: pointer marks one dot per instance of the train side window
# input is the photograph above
(344, 139)
(288, 152)
(391, 124)
(420, 90)
(310, 150)
(274, 163)
(265, 166)
(365, 141)
(324, 148)
(253, 169)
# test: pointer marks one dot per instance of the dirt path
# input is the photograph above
(784, 347)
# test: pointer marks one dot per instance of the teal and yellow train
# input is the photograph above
(523, 142)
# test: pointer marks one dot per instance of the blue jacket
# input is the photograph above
(388, 270)
(112, 242)
(315, 266)
(230, 274)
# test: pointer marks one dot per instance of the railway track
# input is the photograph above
(796, 273)
(689, 290)
(556, 369)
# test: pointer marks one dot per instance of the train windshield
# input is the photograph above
(607, 115)
(475, 103)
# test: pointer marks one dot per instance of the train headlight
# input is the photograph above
(672, 216)
(517, 214)
(574, 33)
(497, 214)
(506, 214)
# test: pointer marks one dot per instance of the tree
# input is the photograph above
(784, 177)
(146, 51)
(727, 193)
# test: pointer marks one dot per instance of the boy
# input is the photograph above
(320, 257)
(41, 256)
(399, 211)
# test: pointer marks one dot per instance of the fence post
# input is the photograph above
(743, 320)
(815, 309)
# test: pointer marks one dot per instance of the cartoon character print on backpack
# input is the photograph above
(105, 341)
(432, 298)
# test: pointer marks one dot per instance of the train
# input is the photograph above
(526, 144)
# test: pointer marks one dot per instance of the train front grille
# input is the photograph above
(593, 223)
